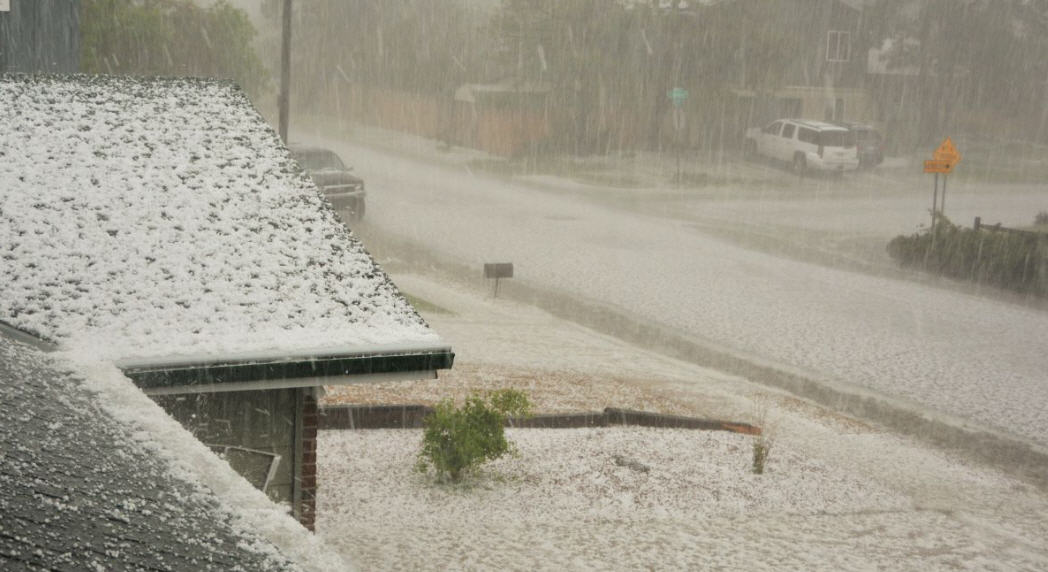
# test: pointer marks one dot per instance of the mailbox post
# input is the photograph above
(498, 271)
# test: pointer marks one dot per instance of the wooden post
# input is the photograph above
(935, 199)
(283, 101)
(942, 201)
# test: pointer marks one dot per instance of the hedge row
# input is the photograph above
(1013, 260)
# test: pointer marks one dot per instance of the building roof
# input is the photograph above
(154, 220)
(83, 490)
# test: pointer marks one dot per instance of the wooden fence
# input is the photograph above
(411, 417)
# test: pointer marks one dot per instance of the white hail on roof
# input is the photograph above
(146, 218)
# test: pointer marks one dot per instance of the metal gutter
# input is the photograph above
(194, 360)
(314, 382)
(297, 371)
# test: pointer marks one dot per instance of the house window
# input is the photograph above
(838, 46)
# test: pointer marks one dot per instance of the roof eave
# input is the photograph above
(304, 382)
(302, 371)
(12, 333)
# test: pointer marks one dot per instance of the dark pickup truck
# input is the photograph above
(343, 189)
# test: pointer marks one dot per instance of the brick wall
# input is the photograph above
(308, 509)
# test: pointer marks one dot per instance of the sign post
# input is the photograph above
(678, 95)
(944, 159)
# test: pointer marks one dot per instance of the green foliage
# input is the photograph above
(1013, 260)
(457, 440)
(170, 38)
(761, 450)
(1041, 219)
(762, 443)
(957, 82)
(413, 45)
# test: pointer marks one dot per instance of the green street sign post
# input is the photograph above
(678, 95)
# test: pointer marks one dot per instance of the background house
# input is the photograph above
(506, 118)
(809, 62)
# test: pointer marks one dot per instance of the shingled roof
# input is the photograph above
(161, 221)
(81, 490)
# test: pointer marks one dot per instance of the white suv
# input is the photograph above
(805, 144)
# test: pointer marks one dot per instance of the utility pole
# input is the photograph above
(285, 72)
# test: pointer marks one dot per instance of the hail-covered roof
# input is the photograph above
(157, 218)
(82, 490)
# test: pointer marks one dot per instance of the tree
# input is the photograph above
(973, 59)
(170, 37)
(411, 45)
(611, 64)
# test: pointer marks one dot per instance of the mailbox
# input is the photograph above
(498, 270)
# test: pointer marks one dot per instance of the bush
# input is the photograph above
(762, 443)
(456, 440)
(1041, 218)
(1012, 260)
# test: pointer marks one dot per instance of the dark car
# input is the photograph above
(870, 144)
(343, 189)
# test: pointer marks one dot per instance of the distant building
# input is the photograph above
(506, 118)
(825, 75)
(40, 36)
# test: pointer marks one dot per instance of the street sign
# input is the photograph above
(947, 152)
(938, 166)
(678, 95)
(944, 159)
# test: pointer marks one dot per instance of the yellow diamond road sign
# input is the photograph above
(947, 152)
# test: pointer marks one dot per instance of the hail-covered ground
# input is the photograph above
(147, 218)
(838, 494)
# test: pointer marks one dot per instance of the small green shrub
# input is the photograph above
(762, 443)
(457, 440)
(1041, 218)
(1012, 260)
(761, 449)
